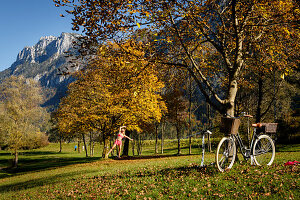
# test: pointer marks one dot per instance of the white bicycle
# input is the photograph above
(261, 150)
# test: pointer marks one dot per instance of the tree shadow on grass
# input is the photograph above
(28, 153)
(192, 169)
(175, 172)
(40, 164)
(36, 153)
(6, 161)
(40, 181)
(172, 150)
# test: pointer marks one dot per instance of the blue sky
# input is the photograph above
(24, 22)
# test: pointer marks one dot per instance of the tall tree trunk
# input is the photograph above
(133, 146)
(230, 105)
(275, 112)
(91, 144)
(178, 139)
(16, 159)
(60, 141)
(190, 145)
(162, 137)
(106, 145)
(231, 97)
(209, 126)
(260, 98)
(190, 115)
(93, 148)
(126, 144)
(84, 143)
(156, 139)
(139, 145)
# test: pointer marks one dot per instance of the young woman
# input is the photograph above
(118, 141)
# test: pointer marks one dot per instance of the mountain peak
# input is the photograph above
(47, 46)
(50, 38)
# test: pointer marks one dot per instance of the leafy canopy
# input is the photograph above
(209, 38)
(111, 91)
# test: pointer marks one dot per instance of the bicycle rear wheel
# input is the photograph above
(225, 155)
(263, 150)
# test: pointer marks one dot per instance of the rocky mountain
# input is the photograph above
(41, 62)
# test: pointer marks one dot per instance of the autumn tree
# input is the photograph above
(112, 91)
(21, 116)
(206, 37)
(274, 56)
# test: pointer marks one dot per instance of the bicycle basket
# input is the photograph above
(229, 125)
(269, 127)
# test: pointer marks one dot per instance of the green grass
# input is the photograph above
(46, 174)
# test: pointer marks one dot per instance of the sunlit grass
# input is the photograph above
(44, 174)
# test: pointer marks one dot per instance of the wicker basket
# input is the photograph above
(229, 125)
(269, 128)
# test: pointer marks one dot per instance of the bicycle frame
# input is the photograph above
(246, 152)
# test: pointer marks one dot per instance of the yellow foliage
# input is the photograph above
(115, 89)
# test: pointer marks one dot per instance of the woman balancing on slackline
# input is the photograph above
(118, 141)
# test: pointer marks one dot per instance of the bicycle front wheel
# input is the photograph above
(225, 155)
(263, 150)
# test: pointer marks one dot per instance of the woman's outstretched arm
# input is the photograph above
(128, 137)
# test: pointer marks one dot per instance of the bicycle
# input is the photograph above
(261, 150)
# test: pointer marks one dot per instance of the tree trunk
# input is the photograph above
(190, 115)
(139, 144)
(93, 149)
(178, 139)
(156, 139)
(190, 145)
(231, 97)
(259, 100)
(16, 159)
(209, 126)
(60, 141)
(91, 144)
(84, 143)
(126, 144)
(133, 146)
(162, 137)
(231, 100)
(106, 141)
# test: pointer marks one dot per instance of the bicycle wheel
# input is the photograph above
(263, 150)
(225, 154)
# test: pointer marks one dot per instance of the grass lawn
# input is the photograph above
(46, 174)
